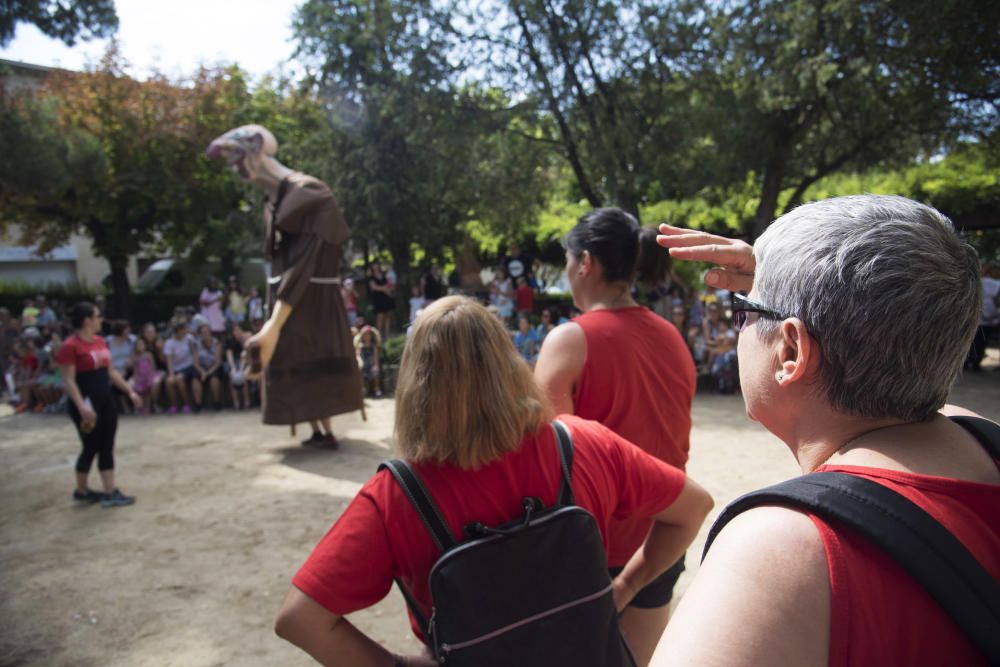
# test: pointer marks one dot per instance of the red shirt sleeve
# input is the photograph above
(352, 567)
(647, 485)
(626, 481)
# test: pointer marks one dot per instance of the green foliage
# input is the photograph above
(121, 161)
(67, 20)
(392, 349)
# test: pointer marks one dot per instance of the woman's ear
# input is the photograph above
(586, 263)
(798, 352)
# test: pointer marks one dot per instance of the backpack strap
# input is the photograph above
(987, 432)
(422, 502)
(429, 513)
(930, 553)
(565, 443)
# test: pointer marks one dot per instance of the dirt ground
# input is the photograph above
(227, 510)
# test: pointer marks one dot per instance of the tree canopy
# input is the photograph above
(65, 20)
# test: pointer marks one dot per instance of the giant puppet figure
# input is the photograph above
(305, 347)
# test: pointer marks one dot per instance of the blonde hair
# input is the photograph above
(464, 396)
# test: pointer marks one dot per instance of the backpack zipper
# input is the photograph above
(448, 648)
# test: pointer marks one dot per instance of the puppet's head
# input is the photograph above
(244, 149)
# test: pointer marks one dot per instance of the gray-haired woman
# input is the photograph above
(859, 314)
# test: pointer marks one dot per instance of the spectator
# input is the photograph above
(121, 344)
(236, 303)
(350, 298)
(179, 354)
(417, 303)
(517, 265)
(859, 315)
(381, 295)
(207, 361)
(525, 340)
(46, 316)
(366, 348)
(211, 307)
(481, 442)
(239, 386)
(88, 375)
(545, 326)
(29, 314)
(25, 368)
(154, 345)
(48, 389)
(431, 284)
(622, 365)
(145, 376)
(255, 309)
(525, 297)
(989, 319)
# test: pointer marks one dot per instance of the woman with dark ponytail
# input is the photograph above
(629, 369)
(85, 362)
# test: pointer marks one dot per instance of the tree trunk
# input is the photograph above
(400, 251)
(119, 302)
(774, 176)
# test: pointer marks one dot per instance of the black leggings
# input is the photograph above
(100, 442)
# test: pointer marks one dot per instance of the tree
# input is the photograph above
(413, 156)
(66, 20)
(614, 108)
(821, 86)
(119, 160)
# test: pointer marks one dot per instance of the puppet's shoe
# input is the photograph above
(315, 439)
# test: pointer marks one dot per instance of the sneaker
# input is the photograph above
(172, 409)
(330, 442)
(186, 410)
(116, 499)
(315, 439)
(21, 408)
(39, 408)
(89, 496)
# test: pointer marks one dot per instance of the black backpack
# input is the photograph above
(532, 592)
(930, 553)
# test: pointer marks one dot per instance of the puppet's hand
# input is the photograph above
(261, 348)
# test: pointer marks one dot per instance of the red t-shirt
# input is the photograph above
(91, 361)
(879, 614)
(525, 299)
(380, 536)
(639, 381)
(29, 363)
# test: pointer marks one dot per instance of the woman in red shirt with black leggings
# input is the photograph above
(85, 362)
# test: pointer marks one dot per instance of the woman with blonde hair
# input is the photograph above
(480, 442)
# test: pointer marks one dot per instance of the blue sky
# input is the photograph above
(175, 37)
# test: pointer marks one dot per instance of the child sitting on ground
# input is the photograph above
(366, 348)
(144, 374)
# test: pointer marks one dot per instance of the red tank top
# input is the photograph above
(879, 614)
(639, 381)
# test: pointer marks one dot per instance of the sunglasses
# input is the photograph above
(742, 307)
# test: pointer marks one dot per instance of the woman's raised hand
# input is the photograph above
(734, 258)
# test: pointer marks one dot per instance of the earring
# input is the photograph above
(780, 377)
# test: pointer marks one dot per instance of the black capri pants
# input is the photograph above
(100, 442)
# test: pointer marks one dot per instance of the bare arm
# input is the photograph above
(674, 528)
(734, 258)
(761, 597)
(331, 639)
(126, 388)
(267, 338)
(559, 365)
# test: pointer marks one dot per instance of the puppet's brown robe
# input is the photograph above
(313, 373)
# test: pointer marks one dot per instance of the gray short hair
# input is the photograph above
(889, 291)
